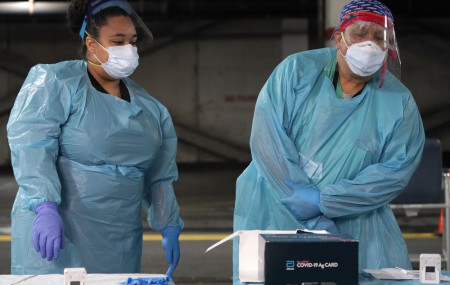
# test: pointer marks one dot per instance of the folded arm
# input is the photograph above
(380, 183)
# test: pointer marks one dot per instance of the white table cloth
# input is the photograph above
(58, 279)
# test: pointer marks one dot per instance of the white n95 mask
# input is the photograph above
(122, 61)
(364, 58)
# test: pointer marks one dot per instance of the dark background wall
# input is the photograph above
(210, 59)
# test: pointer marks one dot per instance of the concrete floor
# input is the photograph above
(205, 194)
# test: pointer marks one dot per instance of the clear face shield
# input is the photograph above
(381, 33)
(100, 10)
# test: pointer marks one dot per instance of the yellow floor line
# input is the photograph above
(156, 237)
(188, 237)
(5, 238)
(216, 237)
(420, 236)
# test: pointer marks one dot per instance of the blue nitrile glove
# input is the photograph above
(147, 281)
(303, 203)
(48, 230)
(171, 246)
(326, 224)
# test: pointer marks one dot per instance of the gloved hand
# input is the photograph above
(326, 224)
(303, 203)
(171, 246)
(48, 230)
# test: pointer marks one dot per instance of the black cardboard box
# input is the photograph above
(310, 259)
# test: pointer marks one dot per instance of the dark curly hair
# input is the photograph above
(76, 13)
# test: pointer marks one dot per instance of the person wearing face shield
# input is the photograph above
(335, 137)
(90, 148)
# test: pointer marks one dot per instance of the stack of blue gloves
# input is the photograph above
(147, 281)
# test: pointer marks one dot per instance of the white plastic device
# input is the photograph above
(75, 276)
(430, 268)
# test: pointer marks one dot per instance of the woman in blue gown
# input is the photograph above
(90, 148)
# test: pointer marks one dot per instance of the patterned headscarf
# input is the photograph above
(366, 10)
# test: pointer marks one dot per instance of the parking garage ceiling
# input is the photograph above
(212, 9)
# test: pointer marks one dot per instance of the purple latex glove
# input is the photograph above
(171, 246)
(48, 230)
